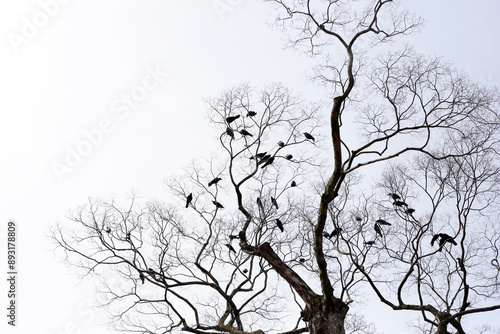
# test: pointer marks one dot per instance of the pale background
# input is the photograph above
(67, 76)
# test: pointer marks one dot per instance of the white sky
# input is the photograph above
(66, 78)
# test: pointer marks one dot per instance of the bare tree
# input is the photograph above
(258, 220)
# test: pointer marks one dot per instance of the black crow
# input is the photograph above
(230, 132)
(399, 203)
(218, 205)
(233, 236)
(302, 260)
(245, 271)
(151, 272)
(214, 181)
(358, 218)
(336, 231)
(264, 159)
(289, 156)
(259, 203)
(394, 196)
(259, 155)
(409, 211)
(370, 243)
(142, 277)
(245, 133)
(231, 119)
(382, 222)
(326, 235)
(231, 248)
(293, 184)
(377, 229)
(281, 144)
(251, 113)
(108, 230)
(189, 198)
(443, 238)
(308, 136)
(280, 225)
(273, 200)
(127, 236)
(268, 162)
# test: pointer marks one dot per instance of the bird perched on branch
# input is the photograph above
(230, 132)
(281, 144)
(231, 248)
(218, 205)
(309, 136)
(409, 211)
(142, 277)
(127, 236)
(288, 157)
(275, 203)
(268, 162)
(231, 119)
(189, 198)
(245, 271)
(382, 222)
(108, 229)
(233, 236)
(443, 238)
(302, 260)
(259, 204)
(251, 113)
(245, 133)
(214, 181)
(264, 159)
(377, 229)
(370, 243)
(280, 225)
(336, 231)
(293, 184)
(394, 196)
(399, 203)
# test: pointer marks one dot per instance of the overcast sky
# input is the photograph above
(131, 76)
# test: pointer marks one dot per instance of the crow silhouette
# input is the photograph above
(259, 204)
(377, 229)
(231, 119)
(293, 184)
(281, 144)
(214, 181)
(273, 200)
(309, 136)
(251, 113)
(142, 277)
(302, 260)
(280, 225)
(268, 162)
(370, 243)
(264, 159)
(245, 271)
(409, 211)
(443, 238)
(326, 235)
(399, 203)
(218, 205)
(231, 248)
(358, 218)
(382, 222)
(336, 231)
(127, 236)
(245, 133)
(230, 132)
(189, 198)
(108, 230)
(288, 157)
(394, 196)
(233, 236)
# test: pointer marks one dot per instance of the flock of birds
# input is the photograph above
(267, 159)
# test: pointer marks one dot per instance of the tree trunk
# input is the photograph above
(327, 319)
